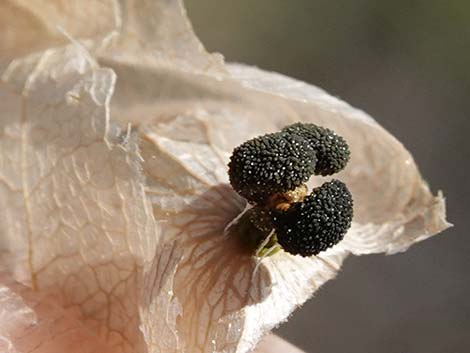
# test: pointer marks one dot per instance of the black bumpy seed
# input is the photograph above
(317, 223)
(332, 151)
(270, 164)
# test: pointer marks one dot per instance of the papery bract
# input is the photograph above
(114, 187)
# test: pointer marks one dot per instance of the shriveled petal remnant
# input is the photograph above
(115, 197)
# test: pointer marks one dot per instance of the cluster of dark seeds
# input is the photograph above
(275, 164)
(332, 151)
(317, 223)
(271, 164)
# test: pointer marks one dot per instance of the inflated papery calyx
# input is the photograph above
(117, 209)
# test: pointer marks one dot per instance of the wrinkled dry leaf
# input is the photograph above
(115, 192)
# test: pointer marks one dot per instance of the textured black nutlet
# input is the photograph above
(317, 223)
(270, 164)
(331, 150)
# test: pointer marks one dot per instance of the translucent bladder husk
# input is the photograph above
(113, 182)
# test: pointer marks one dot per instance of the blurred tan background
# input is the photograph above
(407, 63)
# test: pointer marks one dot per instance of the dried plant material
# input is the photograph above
(114, 186)
(75, 220)
(31, 322)
(30, 25)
